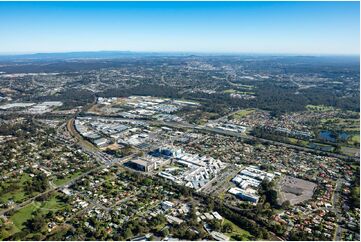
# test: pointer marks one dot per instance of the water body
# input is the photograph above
(330, 136)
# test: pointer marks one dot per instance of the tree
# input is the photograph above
(50, 215)
(298, 235)
(165, 232)
(35, 224)
(39, 183)
(227, 228)
(147, 182)
(238, 237)
(216, 225)
(128, 233)
(355, 196)
(286, 204)
(269, 192)
(19, 235)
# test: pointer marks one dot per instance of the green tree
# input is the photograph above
(227, 228)
(286, 204)
(165, 232)
(36, 223)
(128, 233)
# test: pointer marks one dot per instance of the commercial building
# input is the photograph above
(248, 180)
(219, 236)
(101, 142)
(247, 195)
(166, 205)
(166, 152)
(141, 165)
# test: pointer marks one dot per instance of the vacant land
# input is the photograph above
(242, 113)
(295, 190)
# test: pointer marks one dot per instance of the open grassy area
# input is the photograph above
(242, 113)
(237, 232)
(298, 142)
(351, 151)
(355, 138)
(17, 195)
(230, 91)
(205, 116)
(7, 229)
(22, 215)
(52, 205)
(69, 177)
(346, 124)
(321, 108)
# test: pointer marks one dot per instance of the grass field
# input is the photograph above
(53, 204)
(351, 151)
(205, 116)
(230, 91)
(355, 138)
(17, 195)
(25, 213)
(246, 86)
(344, 123)
(245, 235)
(242, 113)
(22, 215)
(60, 182)
(321, 108)
(298, 142)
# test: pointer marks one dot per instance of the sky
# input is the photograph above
(231, 27)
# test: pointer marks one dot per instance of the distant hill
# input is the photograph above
(89, 55)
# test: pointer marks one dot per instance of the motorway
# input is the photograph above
(205, 129)
(107, 161)
(184, 125)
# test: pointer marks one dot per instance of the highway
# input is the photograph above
(205, 129)
(184, 125)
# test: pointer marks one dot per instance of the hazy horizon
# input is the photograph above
(290, 28)
(174, 52)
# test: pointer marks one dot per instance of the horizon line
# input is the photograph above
(14, 54)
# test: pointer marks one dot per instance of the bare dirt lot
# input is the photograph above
(295, 190)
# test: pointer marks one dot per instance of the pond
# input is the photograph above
(332, 137)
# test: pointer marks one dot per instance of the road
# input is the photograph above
(104, 160)
(205, 129)
(68, 184)
(184, 125)
(337, 210)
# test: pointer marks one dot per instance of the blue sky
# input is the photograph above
(243, 27)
